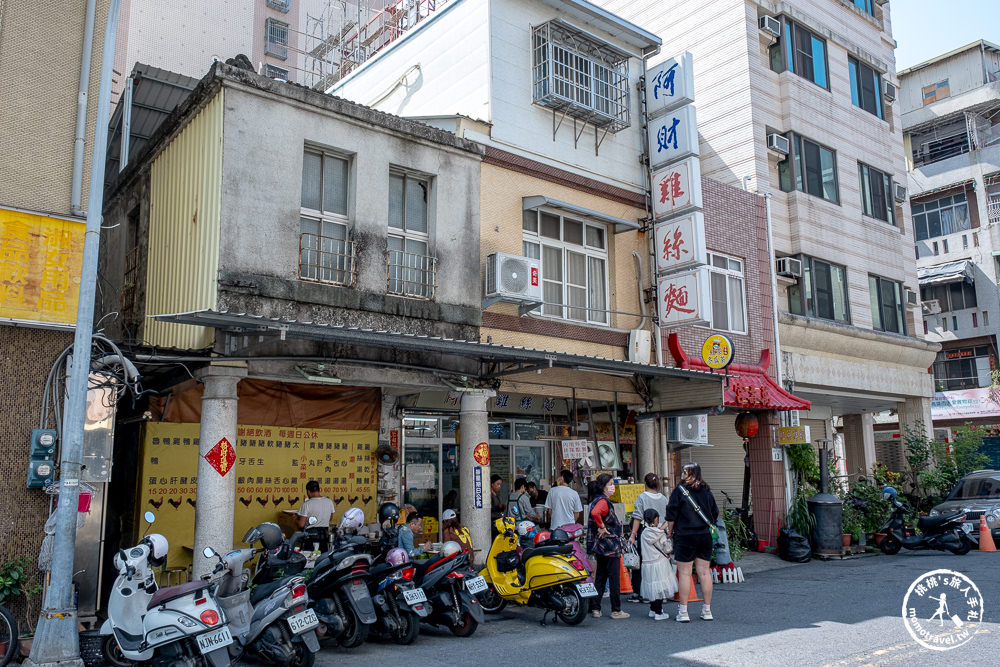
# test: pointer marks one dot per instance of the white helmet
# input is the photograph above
(525, 527)
(158, 547)
(353, 519)
(450, 548)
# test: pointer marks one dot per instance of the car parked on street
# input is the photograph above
(977, 494)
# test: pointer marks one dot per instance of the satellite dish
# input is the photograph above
(386, 454)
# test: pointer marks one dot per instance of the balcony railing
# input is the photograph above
(993, 210)
(326, 260)
(410, 274)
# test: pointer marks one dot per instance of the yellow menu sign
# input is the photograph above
(272, 466)
(40, 265)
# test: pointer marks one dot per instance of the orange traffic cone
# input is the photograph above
(692, 594)
(625, 578)
(985, 538)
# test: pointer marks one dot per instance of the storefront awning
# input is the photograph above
(952, 272)
(749, 387)
(258, 324)
(541, 201)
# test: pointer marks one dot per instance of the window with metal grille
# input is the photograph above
(580, 76)
(411, 268)
(276, 38)
(281, 5)
(326, 253)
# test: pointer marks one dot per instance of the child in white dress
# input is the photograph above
(659, 581)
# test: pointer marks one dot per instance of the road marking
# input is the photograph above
(887, 655)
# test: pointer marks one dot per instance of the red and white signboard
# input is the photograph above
(676, 188)
(683, 298)
(680, 243)
(221, 457)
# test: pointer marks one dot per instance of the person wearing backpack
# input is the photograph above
(692, 513)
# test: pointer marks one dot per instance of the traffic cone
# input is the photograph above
(692, 595)
(985, 538)
(625, 577)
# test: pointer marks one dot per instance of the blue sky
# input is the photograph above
(924, 28)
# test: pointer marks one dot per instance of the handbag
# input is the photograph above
(697, 510)
(630, 558)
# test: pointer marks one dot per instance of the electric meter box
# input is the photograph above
(41, 473)
(43, 443)
(41, 466)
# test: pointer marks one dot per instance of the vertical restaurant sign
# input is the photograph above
(670, 84)
(477, 474)
(41, 260)
(680, 243)
(272, 465)
(683, 298)
(672, 136)
(677, 188)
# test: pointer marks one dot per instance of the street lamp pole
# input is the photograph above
(56, 640)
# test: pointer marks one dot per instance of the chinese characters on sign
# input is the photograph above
(681, 298)
(477, 474)
(221, 457)
(717, 351)
(670, 84)
(676, 188)
(575, 449)
(793, 435)
(680, 243)
(673, 136)
(482, 454)
(40, 266)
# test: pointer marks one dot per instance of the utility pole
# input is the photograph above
(57, 642)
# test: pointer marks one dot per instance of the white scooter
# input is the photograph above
(179, 625)
(270, 621)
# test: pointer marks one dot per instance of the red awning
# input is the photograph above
(750, 387)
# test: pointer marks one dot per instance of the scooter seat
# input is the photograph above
(552, 550)
(927, 522)
(173, 592)
(263, 590)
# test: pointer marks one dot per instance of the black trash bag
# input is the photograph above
(793, 547)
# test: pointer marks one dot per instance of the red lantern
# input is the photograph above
(747, 425)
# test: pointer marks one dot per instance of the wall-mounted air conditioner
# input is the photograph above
(692, 428)
(899, 192)
(513, 278)
(911, 298)
(640, 346)
(932, 307)
(788, 266)
(889, 90)
(778, 143)
(770, 25)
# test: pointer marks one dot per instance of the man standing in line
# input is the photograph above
(563, 502)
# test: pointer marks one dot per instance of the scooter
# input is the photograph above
(178, 625)
(943, 533)
(547, 576)
(576, 534)
(399, 603)
(339, 589)
(270, 621)
(450, 588)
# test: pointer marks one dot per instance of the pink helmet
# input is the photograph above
(397, 556)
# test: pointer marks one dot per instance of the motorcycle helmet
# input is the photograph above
(158, 547)
(353, 519)
(525, 528)
(387, 512)
(450, 548)
(397, 556)
(267, 533)
(889, 493)
(560, 536)
(542, 536)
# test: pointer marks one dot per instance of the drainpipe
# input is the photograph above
(81, 111)
(774, 289)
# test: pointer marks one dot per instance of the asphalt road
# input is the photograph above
(818, 613)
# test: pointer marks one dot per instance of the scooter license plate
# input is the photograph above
(476, 585)
(414, 596)
(967, 527)
(587, 590)
(210, 641)
(299, 623)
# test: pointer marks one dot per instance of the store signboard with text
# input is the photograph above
(966, 403)
(683, 298)
(676, 188)
(680, 243)
(670, 84)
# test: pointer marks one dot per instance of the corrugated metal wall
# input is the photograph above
(184, 214)
(722, 463)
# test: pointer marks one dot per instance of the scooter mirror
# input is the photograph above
(149, 517)
(209, 552)
(313, 521)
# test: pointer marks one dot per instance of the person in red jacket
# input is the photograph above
(604, 542)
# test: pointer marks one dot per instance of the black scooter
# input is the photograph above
(450, 585)
(943, 533)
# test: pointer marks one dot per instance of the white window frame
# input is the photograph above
(533, 244)
(729, 273)
(407, 235)
(324, 218)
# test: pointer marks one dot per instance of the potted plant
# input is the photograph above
(851, 524)
(16, 579)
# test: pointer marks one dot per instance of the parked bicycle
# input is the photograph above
(8, 636)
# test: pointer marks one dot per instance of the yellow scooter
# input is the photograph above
(547, 576)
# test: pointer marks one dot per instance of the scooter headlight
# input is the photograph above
(934, 512)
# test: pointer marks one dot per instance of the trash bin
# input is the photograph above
(828, 511)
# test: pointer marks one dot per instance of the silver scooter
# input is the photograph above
(178, 625)
(271, 621)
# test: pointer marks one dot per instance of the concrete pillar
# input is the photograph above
(663, 463)
(475, 475)
(916, 413)
(645, 446)
(767, 480)
(216, 500)
(389, 474)
(859, 444)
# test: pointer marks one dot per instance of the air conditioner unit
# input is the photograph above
(770, 25)
(889, 90)
(513, 278)
(932, 307)
(692, 428)
(899, 192)
(778, 143)
(911, 297)
(788, 266)
(640, 346)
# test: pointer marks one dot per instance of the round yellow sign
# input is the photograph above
(717, 351)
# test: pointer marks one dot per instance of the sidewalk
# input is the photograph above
(753, 562)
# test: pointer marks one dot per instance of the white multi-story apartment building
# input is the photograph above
(951, 130)
(797, 100)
